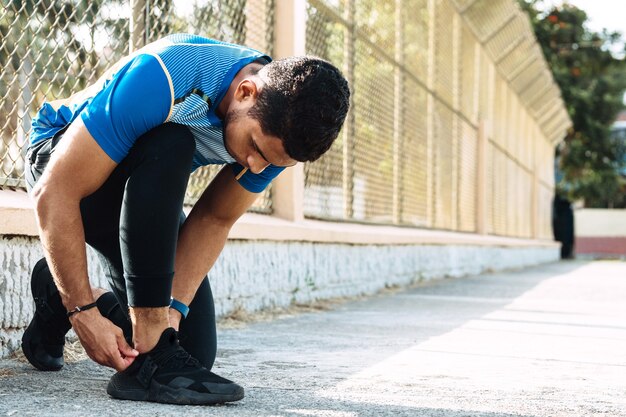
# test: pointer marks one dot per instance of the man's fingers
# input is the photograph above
(118, 362)
(125, 348)
(104, 342)
(127, 361)
(124, 355)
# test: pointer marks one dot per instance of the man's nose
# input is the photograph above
(257, 165)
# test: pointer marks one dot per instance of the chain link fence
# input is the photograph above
(52, 49)
(454, 112)
(49, 50)
(454, 117)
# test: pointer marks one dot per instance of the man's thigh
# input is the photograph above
(101, 210)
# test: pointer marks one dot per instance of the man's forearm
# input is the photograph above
(199, 245)
(63, 241)
(205, 231)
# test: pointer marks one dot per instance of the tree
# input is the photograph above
(592, 83)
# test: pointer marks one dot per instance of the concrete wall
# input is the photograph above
(600, 232)
(253, 275)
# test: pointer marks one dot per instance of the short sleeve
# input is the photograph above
(255, 183)
(137, 99)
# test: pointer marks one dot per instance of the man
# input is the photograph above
(109, 167)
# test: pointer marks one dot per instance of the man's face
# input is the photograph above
(245, 141)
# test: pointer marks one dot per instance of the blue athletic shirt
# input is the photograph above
(181, 78)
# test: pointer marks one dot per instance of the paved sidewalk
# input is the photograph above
(547, 341)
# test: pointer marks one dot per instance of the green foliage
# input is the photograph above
(592, 82)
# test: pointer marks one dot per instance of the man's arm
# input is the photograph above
(204, 234)
(77, 168)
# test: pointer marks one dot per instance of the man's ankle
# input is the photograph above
(148, 325)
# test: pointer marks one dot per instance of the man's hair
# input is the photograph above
(304, 103)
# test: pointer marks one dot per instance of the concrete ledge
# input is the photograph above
(261, 227)
(16, 214)
(17, 218)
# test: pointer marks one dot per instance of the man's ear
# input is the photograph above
(246, 89)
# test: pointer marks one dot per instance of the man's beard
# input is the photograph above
(231, 116)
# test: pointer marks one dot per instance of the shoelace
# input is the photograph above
(178, 358)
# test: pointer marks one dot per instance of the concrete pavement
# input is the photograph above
(546, 341)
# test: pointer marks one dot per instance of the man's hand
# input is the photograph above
(103, 341)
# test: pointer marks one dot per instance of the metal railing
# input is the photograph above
(438, 86)
(454, 112)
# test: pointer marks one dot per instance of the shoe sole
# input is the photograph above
(27, 338)
(163, 394)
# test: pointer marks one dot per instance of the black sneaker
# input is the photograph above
(168, 374)
(44, 338)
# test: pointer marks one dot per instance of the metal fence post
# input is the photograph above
(430, 117)
(137, 25)
(290, 39)
(349, 129)
(481, 179)
(534, 207)
(25, 100)
(455, 208)
(398, 116)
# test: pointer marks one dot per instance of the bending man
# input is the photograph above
(109, 167)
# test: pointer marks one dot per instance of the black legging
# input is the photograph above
(132, 222)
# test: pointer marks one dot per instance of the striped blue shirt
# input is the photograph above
(181, 78)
